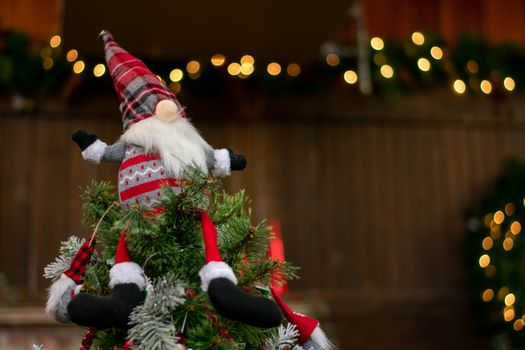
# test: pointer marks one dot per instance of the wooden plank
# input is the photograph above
(17, 157)
(50, 182)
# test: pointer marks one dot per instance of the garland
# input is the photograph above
(421, 61)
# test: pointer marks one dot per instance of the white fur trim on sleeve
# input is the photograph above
(59, 290)
(215, 269)
(222, 164)
(94, 152)
(127, 272)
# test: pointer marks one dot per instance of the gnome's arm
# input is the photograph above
(222, 161)
(95, 150)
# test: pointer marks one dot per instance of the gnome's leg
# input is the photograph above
(70, 282)
(219, 280)
(127, 281)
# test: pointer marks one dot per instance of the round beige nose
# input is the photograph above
(166, 111)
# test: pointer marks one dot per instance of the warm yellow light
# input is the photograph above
(72, 55)
(332, 59)
(518, 325)
(234, 68)
(247, 59)
(161, 80)
(387, 71)
(175, 87)
(379, 58)
(247, 68)
(510, 299)
(508, 243)
(486, 86)
(515, 228)
(484, 260)
(499, 217)
(47, 63)
(487, 295)
(55, 41)
(472, 66)
(377, 43)
(502, 292)
(418, 38)
(495, 231)
(509, 83)
(436, 53)
(176, 75)
(490, 271)
(46, 52)
(193, 67)
(508, 314)
(459, 86)
(274, 68)
(423, 64)
(79, 66)
(350, 77)
(99, 70)
(293, 69)
(487, 219)
(218, 59)
(487, 243)
(510, 209)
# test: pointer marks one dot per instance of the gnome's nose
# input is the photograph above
(166, 111)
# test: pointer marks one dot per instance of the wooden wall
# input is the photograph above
(497, 20)
(366, 205)
(493, 19)
(40, 19)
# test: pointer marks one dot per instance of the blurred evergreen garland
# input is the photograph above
(495, 259)
(24, 71)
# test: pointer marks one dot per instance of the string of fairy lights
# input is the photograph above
(246, 66)
(242, 69)
(502, 295)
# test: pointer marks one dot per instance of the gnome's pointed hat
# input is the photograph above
(125, 270)
(139, 90)
(307, 327)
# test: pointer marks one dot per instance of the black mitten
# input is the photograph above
(83, 139)
(237, 161)
(231, 302)
(106, 311)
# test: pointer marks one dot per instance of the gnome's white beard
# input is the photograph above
(179, 144)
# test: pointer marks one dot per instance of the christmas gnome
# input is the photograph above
(156, 148)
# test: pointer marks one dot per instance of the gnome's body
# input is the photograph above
(156, 149)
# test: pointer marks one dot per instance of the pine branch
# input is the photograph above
(153, 326)
(285, 339)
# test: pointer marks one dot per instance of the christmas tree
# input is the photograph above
(494, 256)
(168, 245)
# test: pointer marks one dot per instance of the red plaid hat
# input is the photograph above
(139, 90)
(81, 261)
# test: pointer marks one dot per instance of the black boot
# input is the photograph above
(231, 302)
(106, 311)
